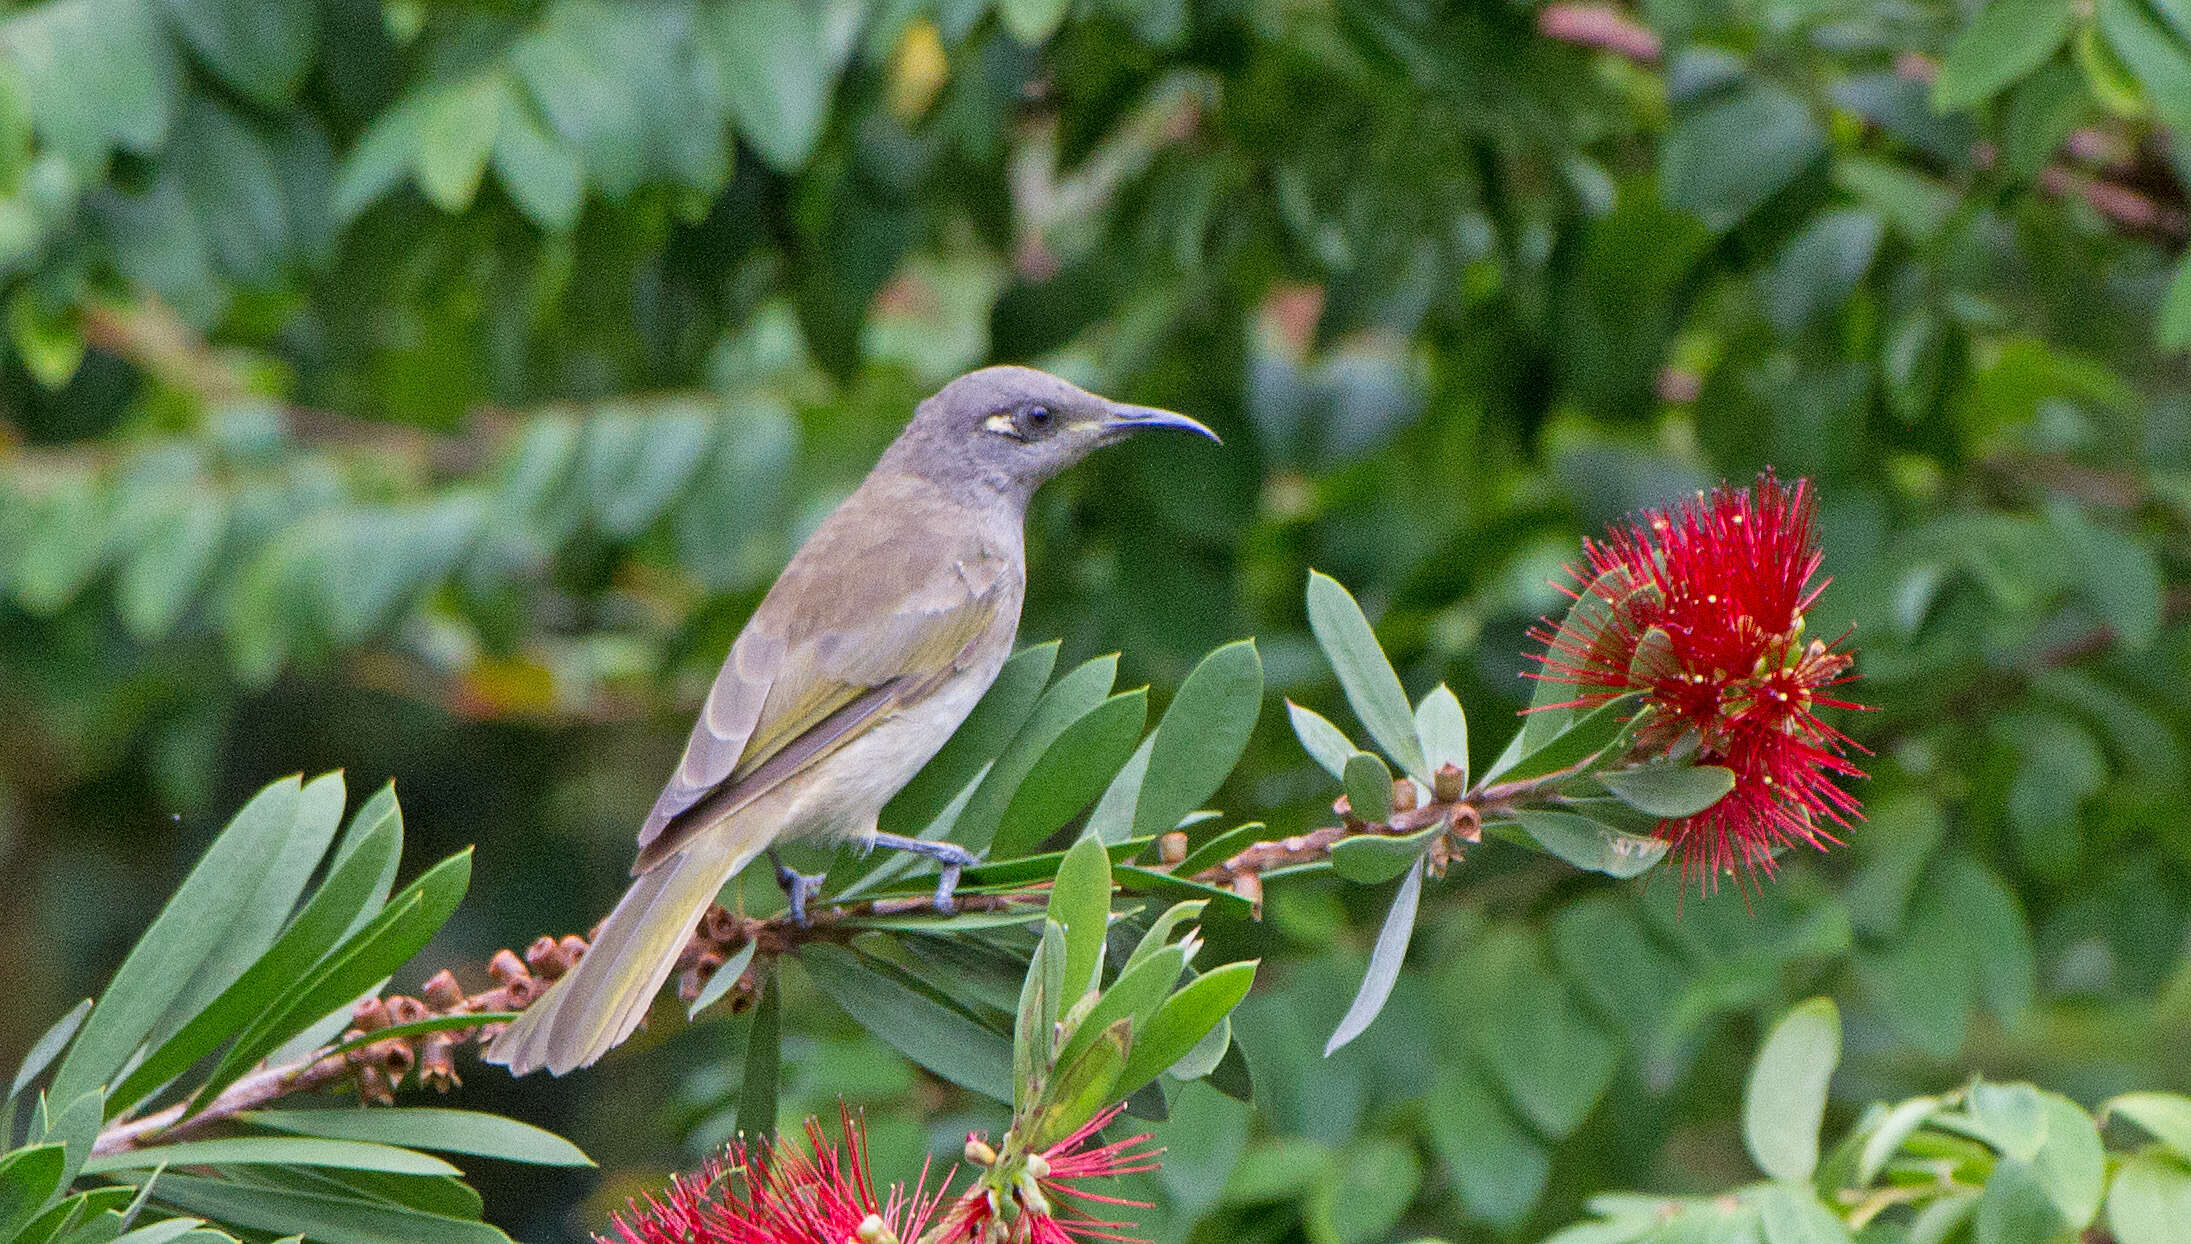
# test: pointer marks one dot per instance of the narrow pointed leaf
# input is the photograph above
(1325, 743)
(1201, 735)
(429, 1127)
(1384, 961)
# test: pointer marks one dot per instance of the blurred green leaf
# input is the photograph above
(2150, 1200)
(2008, 39)
(757, 1088)
(1786, 1099)
(2164, 1116)
(777, 72)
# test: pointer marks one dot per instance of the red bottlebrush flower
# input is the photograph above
(821, 1196)
(1051, 1183)
(1700, 610)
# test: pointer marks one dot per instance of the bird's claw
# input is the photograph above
(798, 887)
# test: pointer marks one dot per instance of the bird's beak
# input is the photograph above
(1125, 420)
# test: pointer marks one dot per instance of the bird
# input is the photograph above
(878, 638)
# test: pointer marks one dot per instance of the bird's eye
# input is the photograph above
(1036, 420)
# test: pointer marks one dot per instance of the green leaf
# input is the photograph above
(259, 923)
(1363, 1197)
(328, 1217)
(2157, 58)
(401, 930)
(777, 74)
(1786, 1099)
(1071, 772)
(274, 1151)
(1184, 1019)
(189, 930)
(1443, 728)
(28, 1177)
(544, 177)
(261, 51)
(1035, 1021)
(456, 133)
(2008, 39)
(1201, 735)
(1815, 272)
(1669, 790)
(354, 883)
(1587, 844)
(1221, 848)
(1133, 997)
(1723, 160)
(724, 979)
(99, 74)
(2072, 1164)
(1032, 21)
(1385, 960)
(1497, 1165)
(2010, 1117)
(1582, 739)
(162, 578)
(980, 739)
(1371, 859)
(2164, 1116)
(1325, 743)
(420, 1027)
(429, 1127)
(2015, 1208)
(1364, 674)
(763, 1064)
(1790, 1214)
(1369, 788)
(924, 1030)
(1112, 820)
(1080, 902)
(1085, 1084)
(2150, 1201)
(1070, 699)
(1529, 1032)
(1885, 1140)
(1160, 931)
(42, 1053)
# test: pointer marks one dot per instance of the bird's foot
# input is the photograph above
(797, 886)
(951, 858)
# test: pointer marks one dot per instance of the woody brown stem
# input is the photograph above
(375, 1069)
(1463, 816)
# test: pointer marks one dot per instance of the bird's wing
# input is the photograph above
(867, 618)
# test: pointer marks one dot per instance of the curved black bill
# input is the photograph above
(1125, 419)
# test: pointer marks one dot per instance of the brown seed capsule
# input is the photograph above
(370, 1015)
(506, 966)
(442, 992)
(718, 925)
(437, 1062)
(402, 1010)
(1250, 887)
(1445, 784)
(1404, 795)
(1172, 847)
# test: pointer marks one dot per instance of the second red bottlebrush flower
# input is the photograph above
(1700, 610)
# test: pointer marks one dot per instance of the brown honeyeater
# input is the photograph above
(871, 648)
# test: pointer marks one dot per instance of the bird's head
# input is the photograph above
(1011, 428)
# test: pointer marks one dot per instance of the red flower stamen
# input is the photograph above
(1700, 611)
(821, 1196)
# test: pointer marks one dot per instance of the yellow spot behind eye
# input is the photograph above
(1000, 424)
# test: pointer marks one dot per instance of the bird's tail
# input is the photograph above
(598, 1003)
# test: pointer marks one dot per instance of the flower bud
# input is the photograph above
(978, 1151)
(1445, 784)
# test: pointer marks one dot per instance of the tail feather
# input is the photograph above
(599, 1002)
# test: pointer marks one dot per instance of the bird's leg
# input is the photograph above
(798, 886)
(949, 856)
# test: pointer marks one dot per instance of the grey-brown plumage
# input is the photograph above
(879, 637)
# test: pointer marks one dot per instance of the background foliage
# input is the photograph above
(430, 388)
